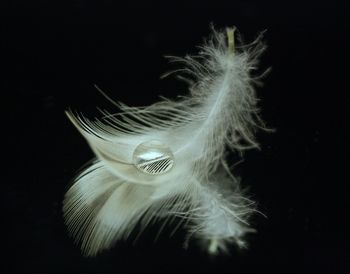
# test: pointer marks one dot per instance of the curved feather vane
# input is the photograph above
(169, 158)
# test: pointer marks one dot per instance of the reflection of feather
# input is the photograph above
(168, 158)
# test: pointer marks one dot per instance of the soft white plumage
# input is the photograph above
(190, 136)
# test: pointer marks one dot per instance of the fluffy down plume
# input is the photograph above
(168, 159)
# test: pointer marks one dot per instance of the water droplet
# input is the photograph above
(153, 157)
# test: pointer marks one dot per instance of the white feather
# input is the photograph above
(112, 195)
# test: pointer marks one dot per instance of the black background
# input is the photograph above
(54, 52)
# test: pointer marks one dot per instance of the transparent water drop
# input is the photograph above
(153, 157)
